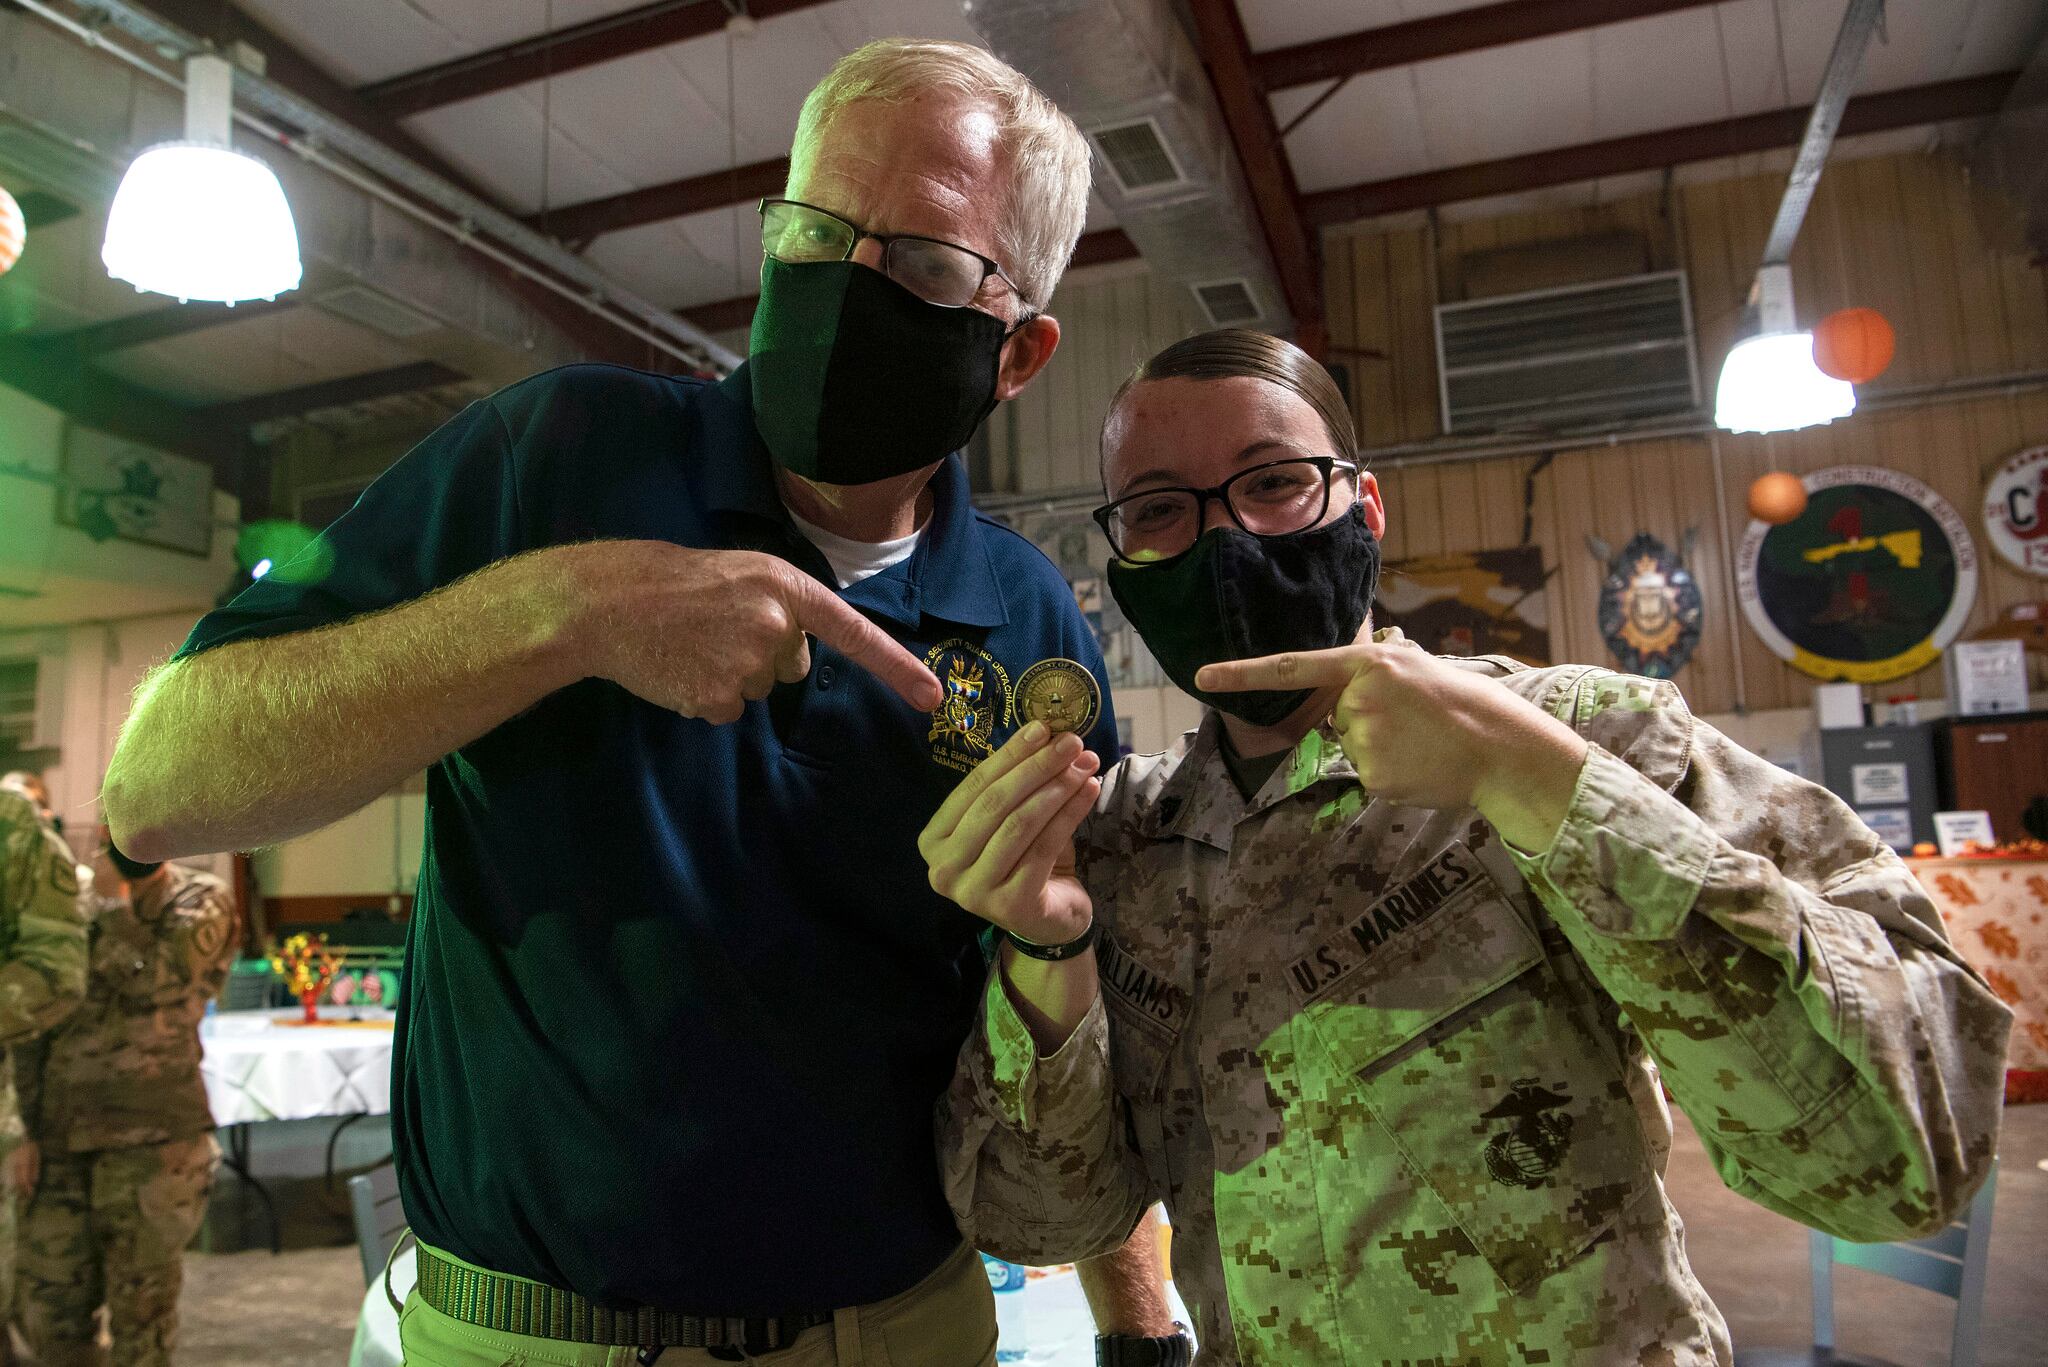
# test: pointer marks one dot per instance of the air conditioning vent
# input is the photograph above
(1579, 356)
(374, 309)
(1228, 303)
(1137, 156)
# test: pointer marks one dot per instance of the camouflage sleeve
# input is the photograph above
(28, 1059)
(42, 973)
(1031, 1150)
(1841, 1062)
(210, 933)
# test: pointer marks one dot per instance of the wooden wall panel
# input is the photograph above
(1901, 234)
(1665, 487)
(1111, 319)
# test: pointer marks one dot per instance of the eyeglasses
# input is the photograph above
(1275, 499)
(942, 273)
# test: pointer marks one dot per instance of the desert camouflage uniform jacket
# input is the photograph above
(124, 1070)
(1397, 1083)
(42, 940)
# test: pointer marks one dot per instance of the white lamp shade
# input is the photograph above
(1770, 384)
(200, 222)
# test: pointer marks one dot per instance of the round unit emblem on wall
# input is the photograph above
(2016, 510)
(1870, 583)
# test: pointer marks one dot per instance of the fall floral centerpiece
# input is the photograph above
(307, 968)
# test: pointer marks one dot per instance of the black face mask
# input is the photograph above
(1236, 596)
(131, 869)
(856, 379)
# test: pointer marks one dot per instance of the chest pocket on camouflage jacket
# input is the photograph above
(1458, 1035)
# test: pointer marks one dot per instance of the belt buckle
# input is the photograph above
(754, 1337)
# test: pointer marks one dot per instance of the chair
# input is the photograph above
(247, 987)
(1952, 1262)
(379, 1218)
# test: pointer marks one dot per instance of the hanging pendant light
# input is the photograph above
(196, 219)
(1769, 382)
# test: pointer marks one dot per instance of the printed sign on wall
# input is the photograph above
(116, 488)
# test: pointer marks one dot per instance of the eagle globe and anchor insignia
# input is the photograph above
(977, 698)
(1527, 1152)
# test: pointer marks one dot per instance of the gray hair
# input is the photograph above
(1048, 157)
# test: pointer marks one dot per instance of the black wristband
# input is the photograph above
(1052, 954)
(1128, 1350)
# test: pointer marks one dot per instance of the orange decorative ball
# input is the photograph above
(13, 232)
(1854, 345)
(1777, 498)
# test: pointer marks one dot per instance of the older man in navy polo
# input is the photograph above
(689, 665)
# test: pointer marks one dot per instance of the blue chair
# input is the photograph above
(379, 1218)
(1952, 1262)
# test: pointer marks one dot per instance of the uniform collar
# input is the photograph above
(949, 576)
(1200, 801)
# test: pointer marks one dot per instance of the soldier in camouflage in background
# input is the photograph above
(1392, 953)
(117, 1114)
(42, 977)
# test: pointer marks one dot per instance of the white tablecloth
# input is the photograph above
(257, 1069)
(1056, 1322)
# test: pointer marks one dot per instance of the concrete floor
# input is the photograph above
(251, 1309)
(1754, 1265)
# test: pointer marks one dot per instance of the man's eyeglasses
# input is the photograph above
(942, 273)
(1277, 498)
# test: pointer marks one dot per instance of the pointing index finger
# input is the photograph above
(1294, 669)
(825, 616)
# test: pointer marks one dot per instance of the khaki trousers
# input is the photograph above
(946, 1320)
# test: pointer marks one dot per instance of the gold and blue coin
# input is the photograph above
(1061, 693)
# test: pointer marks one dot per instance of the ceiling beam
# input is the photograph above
(106, 403)
(1971, 97)
(155, 325)
(1101, 247)
(1446, 35)
(1094, 249)
(656, 203)
(723, 315)
(570, 49)
(350, 389)
(1248, 114)
(224, 24)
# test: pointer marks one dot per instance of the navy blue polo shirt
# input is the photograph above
(678, 999)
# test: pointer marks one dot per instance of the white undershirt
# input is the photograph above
(853, 561)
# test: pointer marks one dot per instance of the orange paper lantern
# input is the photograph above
(1777, 498)
(13, 232)
(1854, 345)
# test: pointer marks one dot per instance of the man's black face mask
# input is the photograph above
(131, 869)
(855, 379)
(1235, 596)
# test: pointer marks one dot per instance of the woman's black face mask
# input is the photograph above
(1235, 596)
